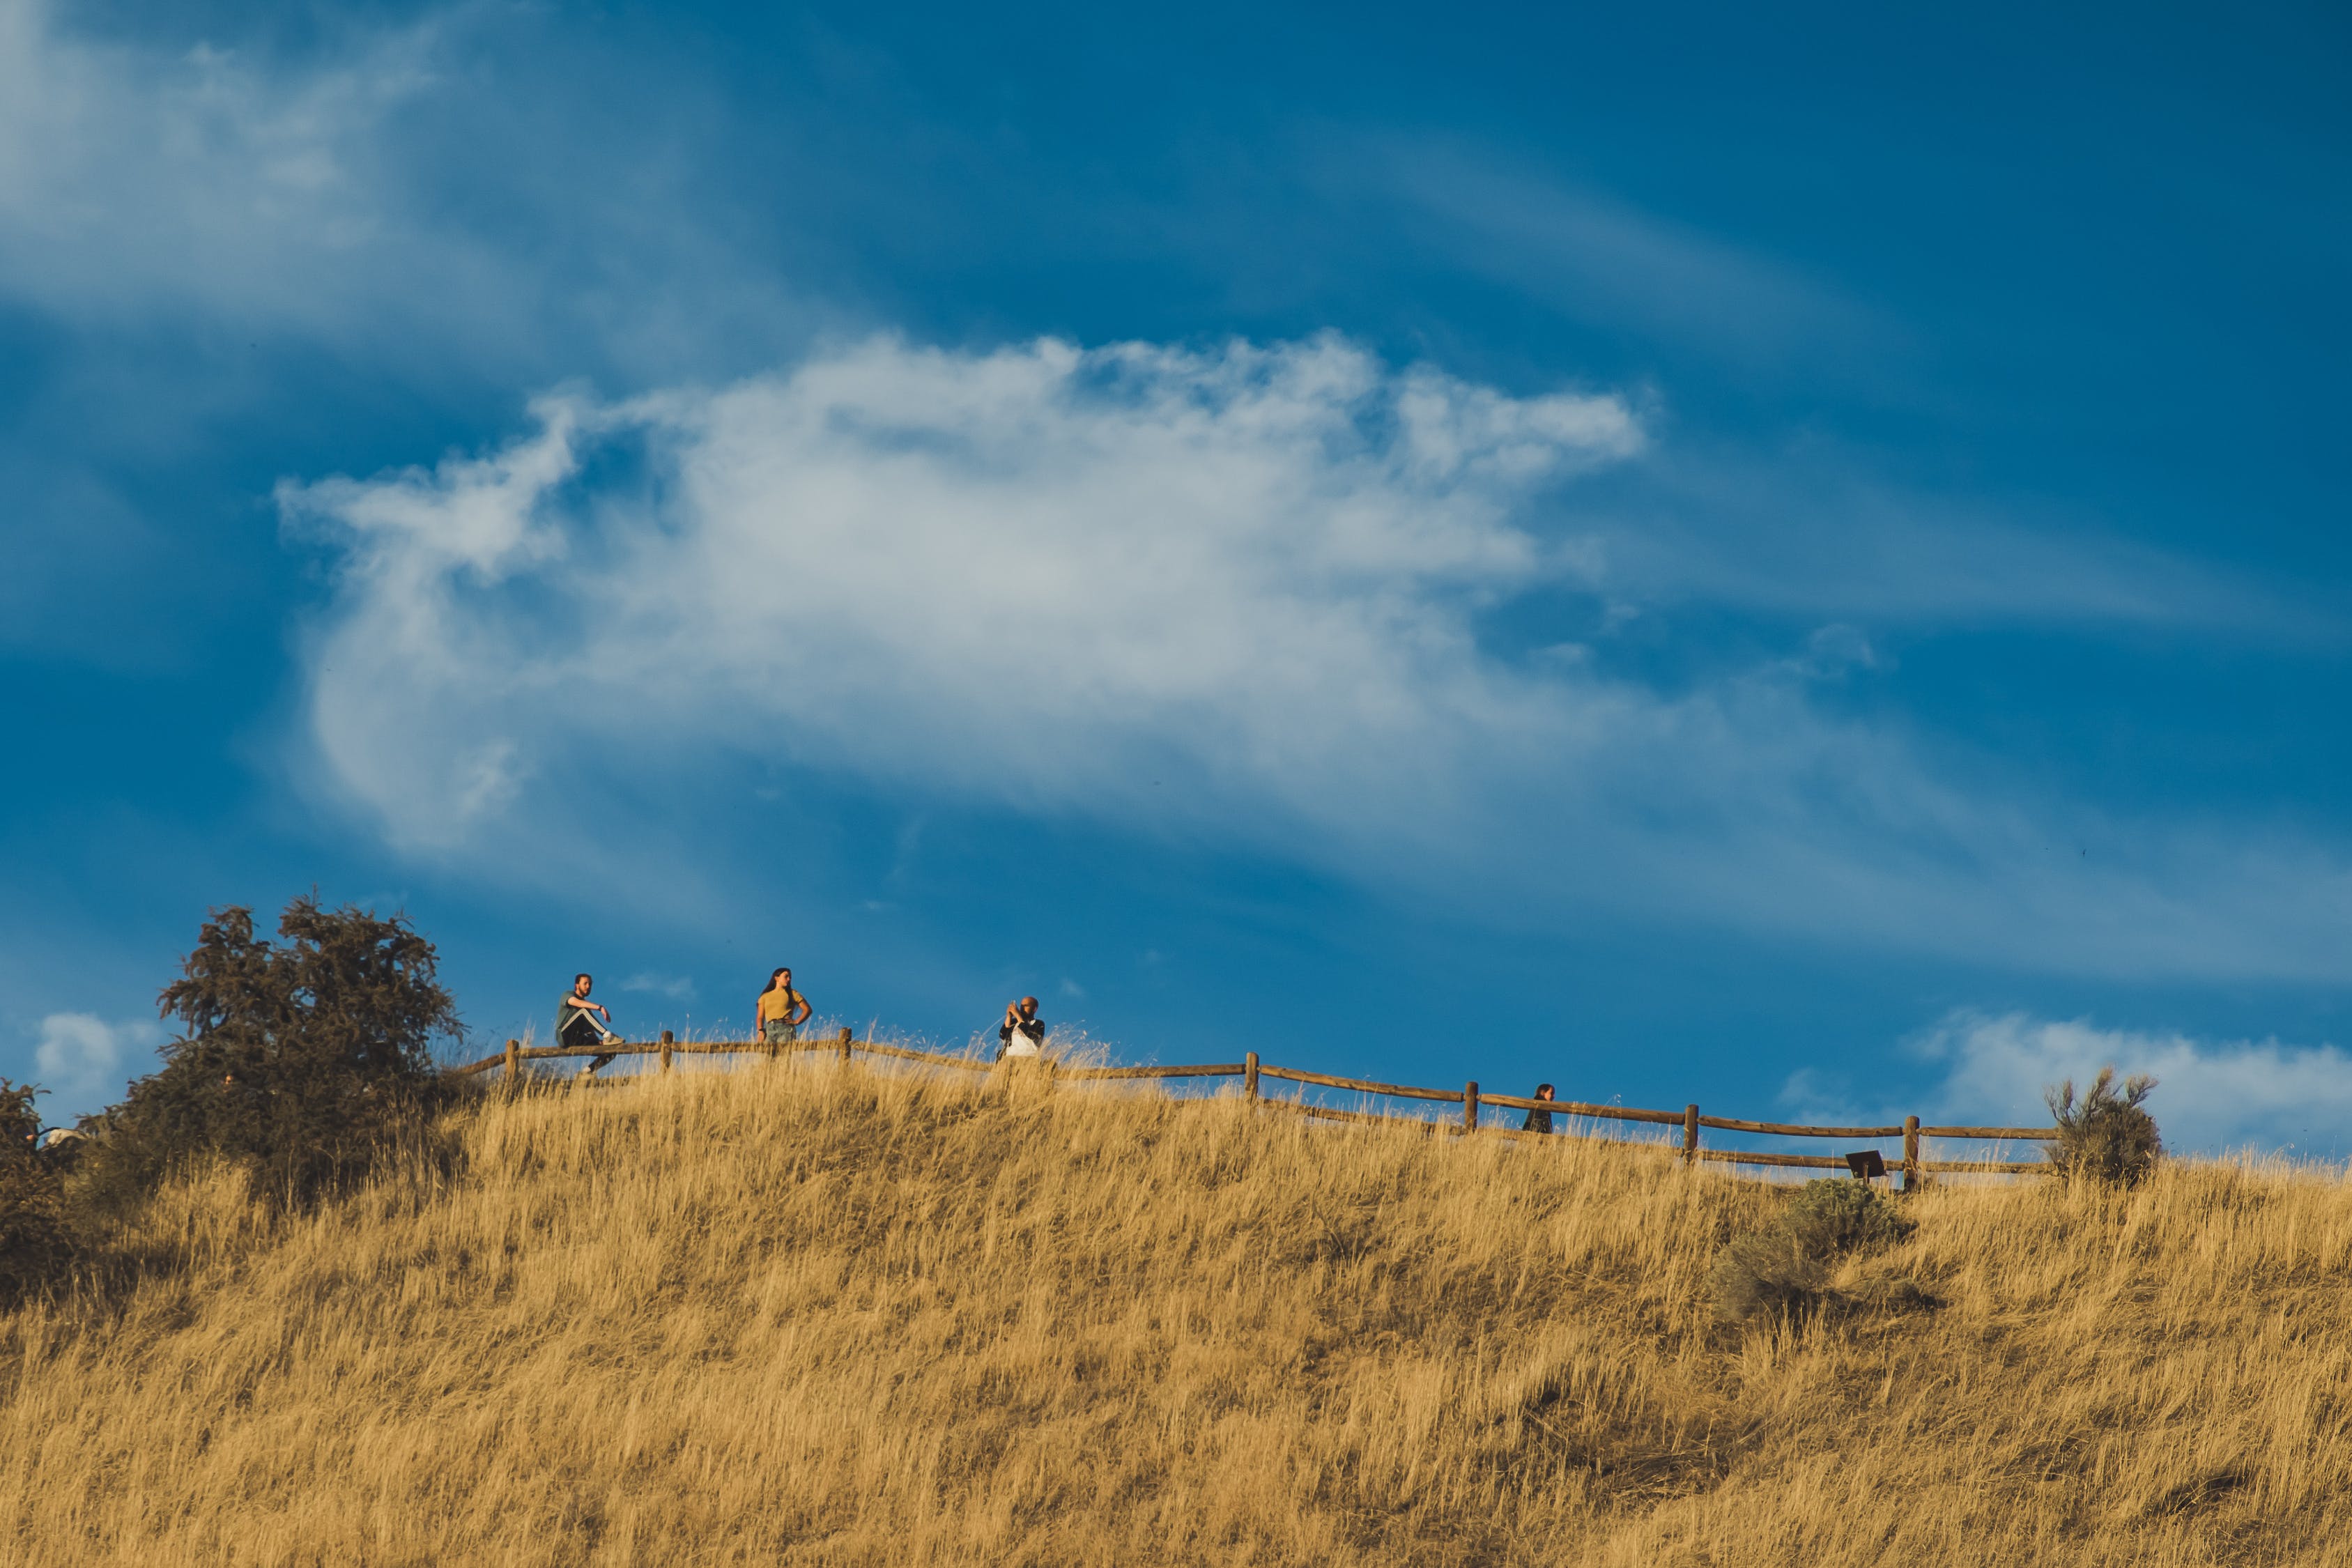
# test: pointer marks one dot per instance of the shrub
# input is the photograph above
(1830, 1219)
(1785, 1271)
(2105, 1137)
(1767, 1274)
(300, 1058)
(33, 1240)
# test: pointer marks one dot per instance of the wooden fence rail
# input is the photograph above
(1253, 1072)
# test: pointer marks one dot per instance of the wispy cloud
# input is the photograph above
(1794, 522)
(136, 183)
(1600, 260)
(366, 196)
(223, 247)
(1809, 529)
(1237, 593)
(676, 987)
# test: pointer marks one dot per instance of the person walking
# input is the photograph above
(783, 1010)
(1539, 1121)
(580, 1023)
(1023, 1033)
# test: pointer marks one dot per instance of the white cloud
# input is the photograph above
(1023, 575)
(1236, 593)
(83, 1060)
(372, 195)
(2211, 1095)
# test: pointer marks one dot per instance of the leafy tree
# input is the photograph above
(32, 1240)
(300, 1057)
(2105, 1136)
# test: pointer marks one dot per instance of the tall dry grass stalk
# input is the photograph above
(812, 1315)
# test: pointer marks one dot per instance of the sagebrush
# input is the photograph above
(1786, 1269)
(2108, 1136)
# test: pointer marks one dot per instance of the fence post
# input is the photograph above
(665, 1050)
(1470, 1106)
(1910, 1153)
(1690, 1134)
(514, 1060)
(844, 1044)
(1249, 1075)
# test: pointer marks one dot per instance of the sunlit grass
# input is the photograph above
(798, 1314)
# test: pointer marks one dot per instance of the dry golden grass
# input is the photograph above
(815, 1316)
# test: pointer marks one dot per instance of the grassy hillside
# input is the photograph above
(812, 1315)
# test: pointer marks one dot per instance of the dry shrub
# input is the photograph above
(1766, 1275)
(2106, 1138)
(1830, 1219)
(1785, 1271)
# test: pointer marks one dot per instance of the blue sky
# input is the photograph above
(1794, 562)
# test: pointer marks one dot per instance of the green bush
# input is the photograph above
(1829, 1220)
(32, 1239)
(301, 1059)
(2105, 1137)
(1785, 1271)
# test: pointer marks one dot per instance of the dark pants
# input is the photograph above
(580, 1033)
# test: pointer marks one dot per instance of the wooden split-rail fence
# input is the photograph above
(1253, 1072)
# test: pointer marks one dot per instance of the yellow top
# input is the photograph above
(778, 1005)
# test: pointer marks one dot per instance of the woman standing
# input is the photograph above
(783, 1010)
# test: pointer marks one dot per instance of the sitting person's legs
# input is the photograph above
(583, 1033)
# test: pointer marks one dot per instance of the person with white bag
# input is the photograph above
(1023, 1033)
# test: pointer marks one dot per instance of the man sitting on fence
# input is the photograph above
(1023, 1033)
(580, 1023)
(783, 1010)
(1538, 1121)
